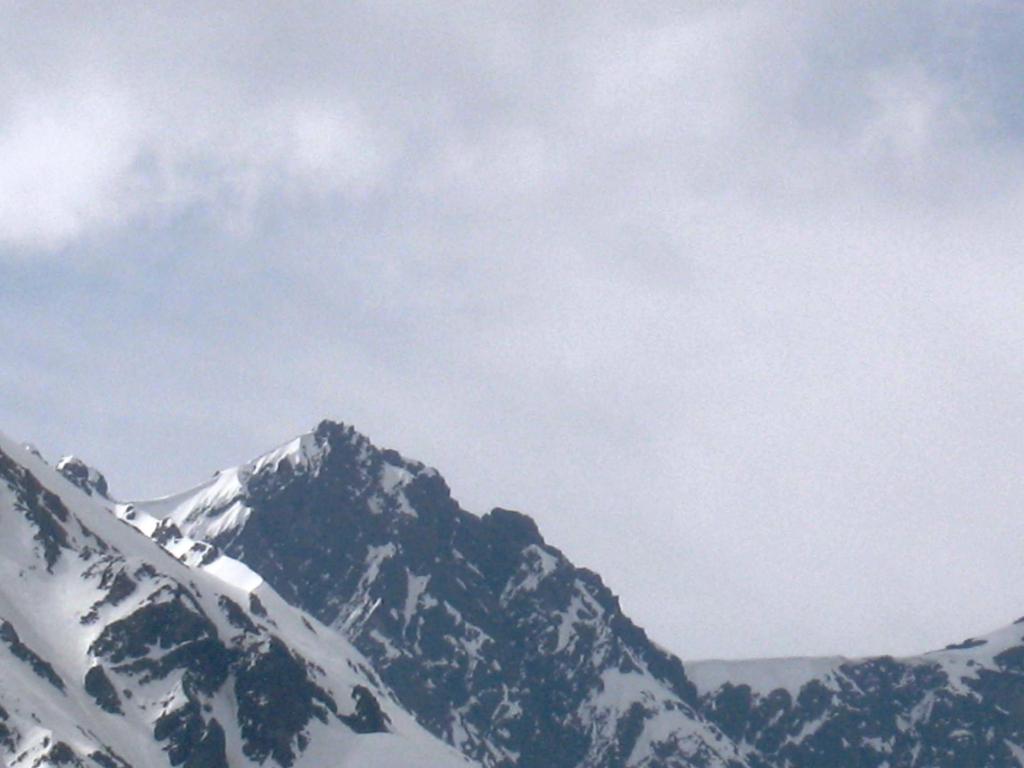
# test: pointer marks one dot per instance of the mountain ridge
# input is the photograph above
(496, 643)
(521, 647)
(114, 652)
(384, 592)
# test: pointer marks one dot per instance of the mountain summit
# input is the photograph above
(330, 603)
(488, 634)
(502, 647)
(114, 653)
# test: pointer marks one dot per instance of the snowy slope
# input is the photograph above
(490, 636)
(113, 652)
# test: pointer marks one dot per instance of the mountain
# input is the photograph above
(502, 647)
(486, 633)
(960, 706)
(382, 599)
(116, 653)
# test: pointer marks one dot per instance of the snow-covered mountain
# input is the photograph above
(115, 653)
(960, 706)
(498, 644)
(117, 650)
(488, 634)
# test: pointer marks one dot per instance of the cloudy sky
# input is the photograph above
(728, 295)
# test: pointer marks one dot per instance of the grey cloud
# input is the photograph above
(727, 297)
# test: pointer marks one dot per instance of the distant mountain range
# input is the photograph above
(330, 603)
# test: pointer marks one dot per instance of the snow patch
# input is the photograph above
(415, 587)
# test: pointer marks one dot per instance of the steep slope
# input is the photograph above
(490, 636)
(961, 706)
(114, 653)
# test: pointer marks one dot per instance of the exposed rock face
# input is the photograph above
(115, 653)
(85, 477)
(500, 645)
(489, 635)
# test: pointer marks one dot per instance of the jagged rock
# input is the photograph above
(85, 477)
(489, 635)
(98, 685)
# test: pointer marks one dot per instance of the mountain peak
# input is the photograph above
(513, 527)
(332, 432)
(119, 651)
(491, 637)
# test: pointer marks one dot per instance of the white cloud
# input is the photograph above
(336, 148)
(706, 288)
(66, 158)
(86, 157)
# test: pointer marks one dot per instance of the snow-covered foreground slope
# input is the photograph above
(114, 652)
(490, 636)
